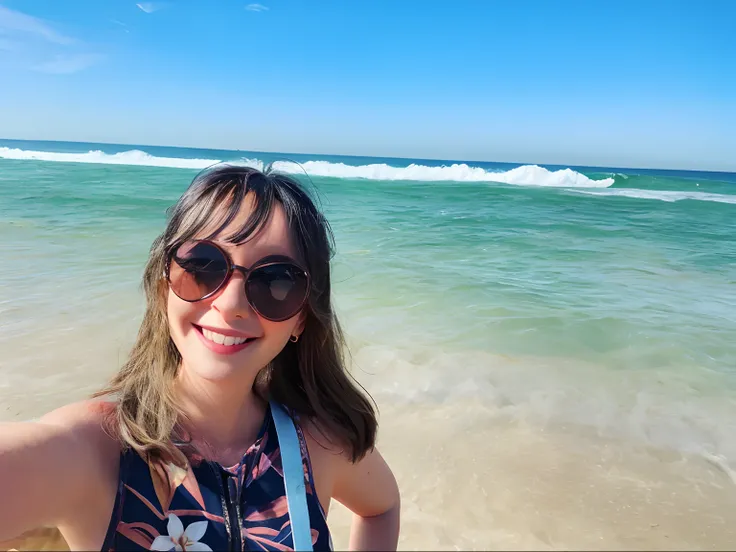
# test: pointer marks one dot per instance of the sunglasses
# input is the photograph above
(275, 287)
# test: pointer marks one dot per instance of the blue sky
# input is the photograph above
(637, 84)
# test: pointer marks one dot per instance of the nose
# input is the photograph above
(231, 301)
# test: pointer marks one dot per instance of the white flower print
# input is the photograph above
(180, 540)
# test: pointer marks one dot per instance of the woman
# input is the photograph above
(236, 372)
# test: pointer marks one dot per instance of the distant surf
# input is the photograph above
(662, 195)
(526, 175)
(132, 157)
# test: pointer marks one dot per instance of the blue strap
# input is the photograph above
(296, 492)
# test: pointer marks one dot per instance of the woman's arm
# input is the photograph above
(47, 468)
(368, 488)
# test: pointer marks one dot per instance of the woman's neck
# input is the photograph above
(222, 418)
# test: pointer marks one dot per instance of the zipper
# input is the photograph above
(239, 517)
(233, 523)
(234, 502)
(226, 512)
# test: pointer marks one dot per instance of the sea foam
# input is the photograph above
(662, 195)
(132, 157)
(526, 175)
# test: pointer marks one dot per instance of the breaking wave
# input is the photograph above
(132, 157)
(527, 175)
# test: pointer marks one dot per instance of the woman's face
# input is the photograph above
(199, 329)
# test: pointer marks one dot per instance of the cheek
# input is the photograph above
(179, 313)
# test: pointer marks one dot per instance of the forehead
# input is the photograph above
(273, 237)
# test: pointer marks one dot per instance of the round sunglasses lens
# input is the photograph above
(277, 291)
(196, 270)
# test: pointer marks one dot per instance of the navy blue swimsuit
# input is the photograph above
(161, 506)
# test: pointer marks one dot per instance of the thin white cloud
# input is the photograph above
(66, 64)
(30, 43)
(150, 7)
(256, 7)
(15, 22)
(120, 24)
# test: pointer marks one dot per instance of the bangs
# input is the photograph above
(215, 199)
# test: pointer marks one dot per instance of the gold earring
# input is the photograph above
(294, 338)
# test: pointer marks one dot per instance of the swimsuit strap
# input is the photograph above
(296, 494)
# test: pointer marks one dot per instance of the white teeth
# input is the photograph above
(223, 339)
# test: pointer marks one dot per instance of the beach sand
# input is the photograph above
(474, 477)
(529, 492)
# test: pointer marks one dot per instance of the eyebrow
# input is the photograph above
(276, 259)
(272, 258)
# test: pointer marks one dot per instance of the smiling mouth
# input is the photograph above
(221, 339)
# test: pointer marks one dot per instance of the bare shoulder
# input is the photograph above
(87, 424)
(325, 456)
(88, 430)
(320, 441)
(82, 415)
(366, 486)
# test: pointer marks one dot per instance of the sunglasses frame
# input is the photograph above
(245, 271)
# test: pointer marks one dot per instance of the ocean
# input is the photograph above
(552, 349)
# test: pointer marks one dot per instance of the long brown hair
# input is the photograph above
(308, 376)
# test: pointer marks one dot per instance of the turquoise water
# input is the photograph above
(595, 288)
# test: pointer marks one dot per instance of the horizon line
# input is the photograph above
(363, 156)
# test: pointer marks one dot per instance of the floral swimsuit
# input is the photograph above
(160, 506)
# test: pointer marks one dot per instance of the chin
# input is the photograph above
(214, 371)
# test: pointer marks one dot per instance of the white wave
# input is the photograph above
(663, 195)
(132, 157)
(527, 175)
